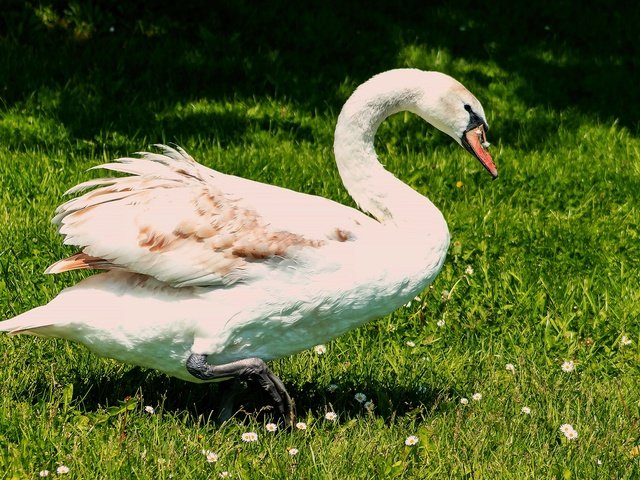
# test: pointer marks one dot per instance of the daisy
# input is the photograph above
(526, 410)
(464, 401)
(150, 409)
(249, 437)
(440, 323)
(571, 435)
(476, 396)
(510, 368)
(292, 451)
(568, 366)
(369, 406)
(624, 341)
(332, 388)
(62, 470)
(360, 397)
(411, 344)
(468, 270)
(411, 440)
(320, 349)
(445, 295)
(43, 473)
(211, 456)
(568, 431)
(566, 427)
(225, 474)
(271, 427)
(331, 416)
(301, 426)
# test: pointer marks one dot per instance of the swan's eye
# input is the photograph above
(467, 107)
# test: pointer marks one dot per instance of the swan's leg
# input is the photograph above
(250, 370)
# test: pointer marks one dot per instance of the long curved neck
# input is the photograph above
(374, 189)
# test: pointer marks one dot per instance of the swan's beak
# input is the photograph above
(475, 142)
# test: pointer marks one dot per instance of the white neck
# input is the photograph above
(374, 189)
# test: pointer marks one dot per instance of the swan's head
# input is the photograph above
(437, 98)
(450, 107)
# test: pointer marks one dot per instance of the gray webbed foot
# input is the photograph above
(251, 370)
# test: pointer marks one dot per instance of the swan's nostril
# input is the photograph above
(482, 137)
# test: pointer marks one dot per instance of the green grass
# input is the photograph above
(554, 242)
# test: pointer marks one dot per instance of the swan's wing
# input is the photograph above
(188, 225)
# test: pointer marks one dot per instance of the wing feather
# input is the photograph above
(188, 225)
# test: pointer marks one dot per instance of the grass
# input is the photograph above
(553, 243)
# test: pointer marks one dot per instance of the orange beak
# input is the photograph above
(475, 142)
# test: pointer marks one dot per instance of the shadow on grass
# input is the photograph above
(111, 67)
(203, 401)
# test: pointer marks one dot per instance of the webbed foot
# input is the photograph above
(251, 370)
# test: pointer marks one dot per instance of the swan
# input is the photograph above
(208, 275)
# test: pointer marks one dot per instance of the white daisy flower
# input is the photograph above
(464, 401)
(293, 451)
(43, 473)
(301, 426)
(332, 388)
(510, 367)
(411, 440)
(566, 427)
(150, 409)
(411, 344)
(468, 270)
(526, 410)
(211, 456)
(476, 396)
(624, 341)
(568, 366)
(224, 474)
(320, 349)
(249, 437)
(62, 470)
(571, 435)
(360, 397)
(440, 323)
(445, 295)
(331, 416)
(369, 406)
(271, 427)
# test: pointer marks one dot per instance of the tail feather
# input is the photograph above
(26, 322)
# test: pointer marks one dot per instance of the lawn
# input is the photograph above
(542, 269)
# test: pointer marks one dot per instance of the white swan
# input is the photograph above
(209, 275)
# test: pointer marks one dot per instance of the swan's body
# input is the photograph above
(211, 264)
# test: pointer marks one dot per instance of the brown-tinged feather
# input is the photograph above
(80, 261)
